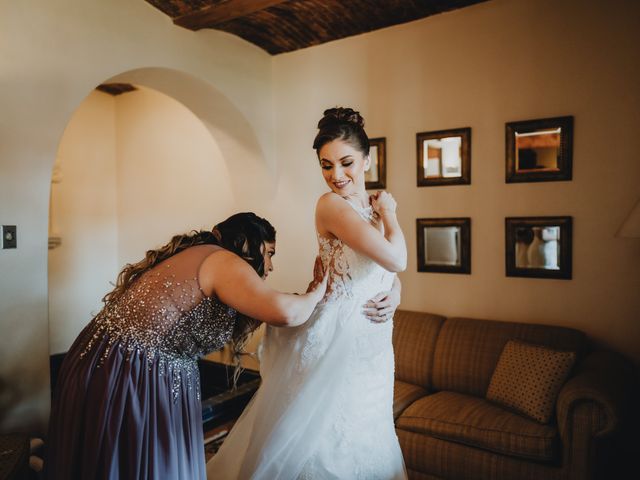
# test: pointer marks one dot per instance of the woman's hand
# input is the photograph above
(382, 307)
(383, 203)
(318, 274)
(318, 288)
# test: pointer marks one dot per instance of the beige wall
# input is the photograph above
(83, 209)
(480, 67)
(172, 177)
(136, 169)
(52, 54)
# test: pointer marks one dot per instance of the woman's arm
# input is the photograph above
(236, 284)
(388, 250)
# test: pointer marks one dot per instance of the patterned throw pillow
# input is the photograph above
(529, 377)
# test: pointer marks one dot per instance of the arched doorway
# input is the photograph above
(134, 169)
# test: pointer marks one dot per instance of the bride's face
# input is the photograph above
(343, 167)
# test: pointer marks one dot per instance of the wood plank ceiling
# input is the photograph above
(280, 26)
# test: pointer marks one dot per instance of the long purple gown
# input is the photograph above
(127, 404)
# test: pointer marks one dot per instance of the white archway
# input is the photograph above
(247, 183)
(53, 56)
(252, 175)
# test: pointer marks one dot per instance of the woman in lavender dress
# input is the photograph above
(127, 402)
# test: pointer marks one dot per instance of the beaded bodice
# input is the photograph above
(352, 274)
(165, 315)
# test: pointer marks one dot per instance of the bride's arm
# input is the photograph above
(388, 250)
(235, 283)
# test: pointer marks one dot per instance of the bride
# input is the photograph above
(324, 408)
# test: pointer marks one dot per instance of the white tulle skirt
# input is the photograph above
(325, 406)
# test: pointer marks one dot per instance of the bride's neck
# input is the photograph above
(360, 199)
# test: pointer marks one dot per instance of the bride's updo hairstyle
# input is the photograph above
(342, 124)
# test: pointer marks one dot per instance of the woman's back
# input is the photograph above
(127, 404)
(166, 312)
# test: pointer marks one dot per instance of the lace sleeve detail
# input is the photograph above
(350, 273)
(334, 258)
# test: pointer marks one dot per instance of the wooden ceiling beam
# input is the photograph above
(216, 14)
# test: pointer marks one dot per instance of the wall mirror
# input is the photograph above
(538, 247)
(539, 150)
(444, 245)
(376, 176)
(444, 157)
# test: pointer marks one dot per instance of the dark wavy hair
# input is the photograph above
(342, 123)
(243, 234)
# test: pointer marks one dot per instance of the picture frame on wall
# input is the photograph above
(539, 247)
(444, 245)
(539, 150)
(376, 177)
(444, 157)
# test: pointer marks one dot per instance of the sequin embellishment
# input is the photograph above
(165, 320)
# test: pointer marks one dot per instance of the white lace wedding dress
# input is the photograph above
(324, 408)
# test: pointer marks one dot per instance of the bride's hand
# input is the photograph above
(383, 203)
(381, 308)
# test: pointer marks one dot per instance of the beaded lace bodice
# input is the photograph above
(350, 273)
(166, 316)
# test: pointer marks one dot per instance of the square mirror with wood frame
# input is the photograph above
(539, 247)
(539, 150)
(376, 177)
(444, 157)
(444, 245)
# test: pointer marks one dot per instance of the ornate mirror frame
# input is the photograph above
(380, 165)
(565, 150)
(564, 270)
(465, 157)
(465, 244)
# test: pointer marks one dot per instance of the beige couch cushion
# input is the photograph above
(414, 339)
(528, 378)
(467, 350)
(404, 394)
(479, 423)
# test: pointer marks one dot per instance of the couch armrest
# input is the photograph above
(591, 406)
(604, 378)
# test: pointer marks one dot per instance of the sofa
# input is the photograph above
(448, 430)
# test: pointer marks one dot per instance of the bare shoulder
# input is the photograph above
(207, 248)
(218, 257)
(330, 203)
(328, 198)
(217, 265)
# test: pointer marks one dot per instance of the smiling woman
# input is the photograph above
(310, 403)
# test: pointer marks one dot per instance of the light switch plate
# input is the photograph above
(9, 236)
